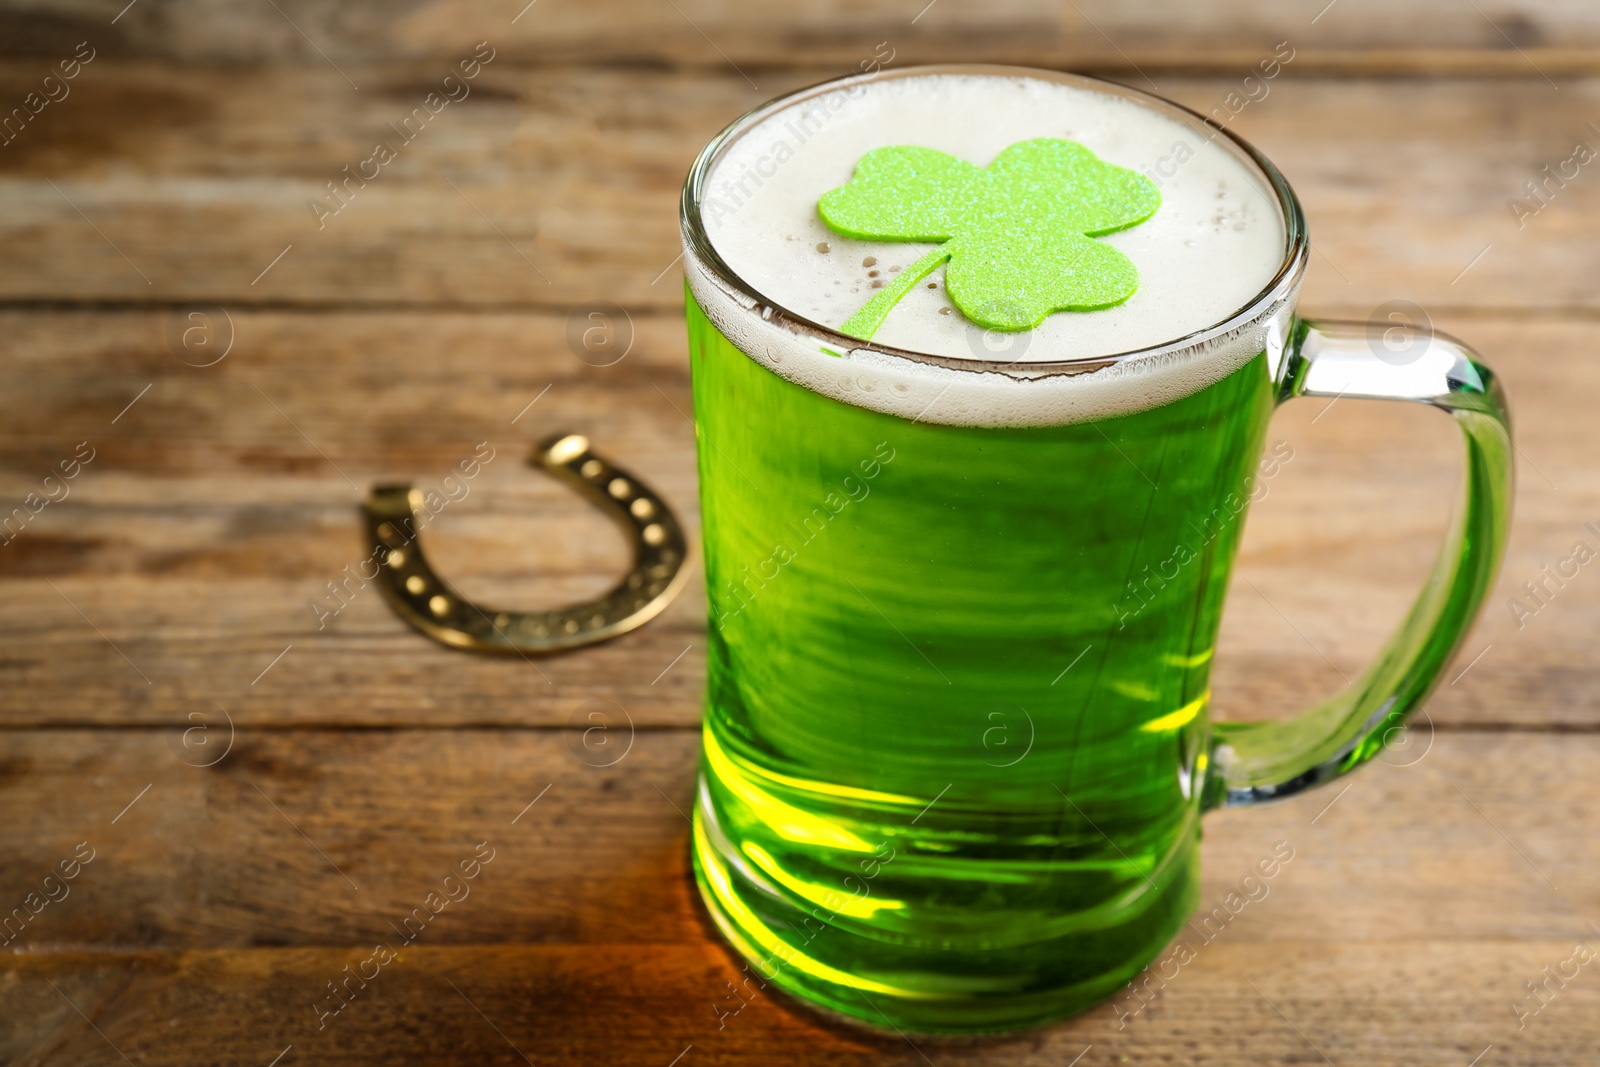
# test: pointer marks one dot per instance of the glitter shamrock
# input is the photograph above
(1018, 234)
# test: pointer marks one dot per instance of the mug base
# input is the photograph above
(936, 999)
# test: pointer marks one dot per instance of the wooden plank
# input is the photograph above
(214, 910)
(214, 514)
(223, 525)
(196, 180)
(327, 837)
(1384, 1004)
(755, 35)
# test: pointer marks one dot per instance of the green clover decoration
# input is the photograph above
(1018, 234)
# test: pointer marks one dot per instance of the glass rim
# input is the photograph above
(1283, 282)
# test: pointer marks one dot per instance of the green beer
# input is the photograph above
(957, 741)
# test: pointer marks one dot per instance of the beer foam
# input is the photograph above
(1213, 245)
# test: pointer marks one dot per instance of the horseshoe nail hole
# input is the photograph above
(501, 621)
(635, 580)
(592, 468)
(668, 556)
(642, 508)
(568, 448)
(597, 621)
(619, 488)
(415, 584)
(385, 531)
(439, 605)
(654, 534)
(395, 558)
(639, 602)
(541, 630)
(655, 588)
(570, 626)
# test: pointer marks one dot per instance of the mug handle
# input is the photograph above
(1256, 761)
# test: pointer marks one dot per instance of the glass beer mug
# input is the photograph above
(957, 740)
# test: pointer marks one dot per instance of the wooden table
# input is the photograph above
(238, 869)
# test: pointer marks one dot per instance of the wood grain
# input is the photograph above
(716, 33)
(216, 512)
(217, 924)
(1377, 1003)
(324, 837)
(266, 795)
(190, 182)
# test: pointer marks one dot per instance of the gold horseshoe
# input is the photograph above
(429, 604)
